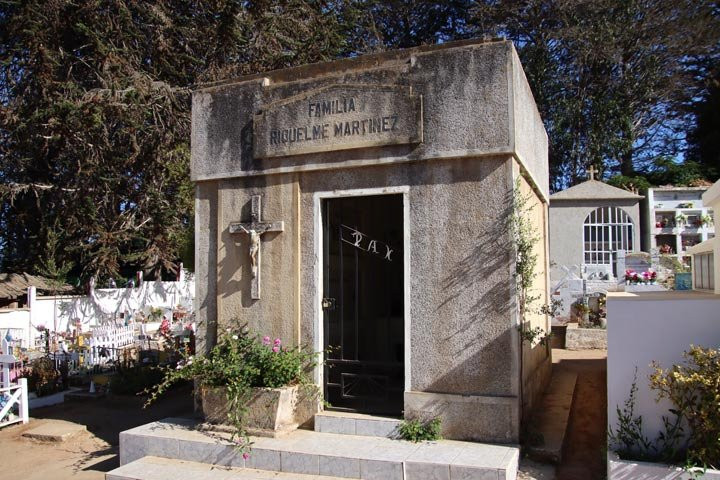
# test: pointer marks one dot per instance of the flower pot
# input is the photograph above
(269, 410)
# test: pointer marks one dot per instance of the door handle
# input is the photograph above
(328, 303)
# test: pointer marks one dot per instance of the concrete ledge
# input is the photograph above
(326, 454)
(548, 426)
(356, 424)
(54, 399)
(585, 338)
(55, 431)
(468, 417)
(156, 468)
(628, 470)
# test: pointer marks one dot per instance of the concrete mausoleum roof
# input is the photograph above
(594, 190)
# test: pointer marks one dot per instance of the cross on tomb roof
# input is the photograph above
(591, 172)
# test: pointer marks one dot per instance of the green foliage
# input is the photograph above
(240, 361)
(705, 137)
(414, 430)
(612, 79)
(636, 184)
(525, 238)
(666, 171)
(672, 263)
(551, 309)
(630, 442)
(694, 390)
(535, 335)
(95, 119)
(134, 380)
(43, 378)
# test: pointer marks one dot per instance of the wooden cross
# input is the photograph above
(591, 172)
(255, 228)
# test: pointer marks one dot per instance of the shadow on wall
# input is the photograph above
(481, 337)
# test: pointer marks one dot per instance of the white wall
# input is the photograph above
(15, 319)
(654, 326)
(108, 303)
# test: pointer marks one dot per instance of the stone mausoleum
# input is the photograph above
(363, 205)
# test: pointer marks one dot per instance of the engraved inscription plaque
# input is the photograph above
(338, 117)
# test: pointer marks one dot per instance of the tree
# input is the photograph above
(375, 25)
(705, 137)
(94, 117)
(613, 79)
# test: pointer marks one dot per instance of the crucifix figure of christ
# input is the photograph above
(255, 228)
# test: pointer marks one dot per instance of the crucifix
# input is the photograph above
(591, 172)
(254, 229)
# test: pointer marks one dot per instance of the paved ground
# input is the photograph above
(584, 456)
(88, 455)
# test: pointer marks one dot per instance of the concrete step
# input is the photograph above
(325, 454)
(549, 423)
(356, 424)
(55, 431)
(157, 468)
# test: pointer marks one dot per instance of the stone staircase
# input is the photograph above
(342, 446)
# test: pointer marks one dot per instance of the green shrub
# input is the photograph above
(240, 361)
(414, 430)
(694, 390)
(43, 378)
(134, 380)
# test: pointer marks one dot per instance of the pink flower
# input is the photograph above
(246, 456)
(266, 340)
(276, 349)
(277, 342)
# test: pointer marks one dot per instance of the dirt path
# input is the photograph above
(88, 455)
(584, 455)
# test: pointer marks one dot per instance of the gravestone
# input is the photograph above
(363, 205)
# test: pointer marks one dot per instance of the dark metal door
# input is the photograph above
(363, 303)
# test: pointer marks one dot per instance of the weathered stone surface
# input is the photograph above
(460, 322)
(338, 117)
(55, 431)
(276, 409)
(467, 417)
(585, 338)
(474, 103)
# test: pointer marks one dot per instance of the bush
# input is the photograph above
(134, 380)
(43, 378)
(694, 390)
(240, 361)
(416, 431)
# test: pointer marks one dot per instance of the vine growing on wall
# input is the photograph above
(525, 237)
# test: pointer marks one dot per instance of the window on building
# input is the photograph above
(703, 271)
(606, 230)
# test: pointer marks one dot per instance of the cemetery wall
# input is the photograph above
(647, 327)
(16, 321)
(62, 311)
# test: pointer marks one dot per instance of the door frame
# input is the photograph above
(318, 322)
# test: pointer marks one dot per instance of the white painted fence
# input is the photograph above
(106, 342)
(12, 394)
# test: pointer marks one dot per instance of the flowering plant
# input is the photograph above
(632, 276)
(240, 361)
